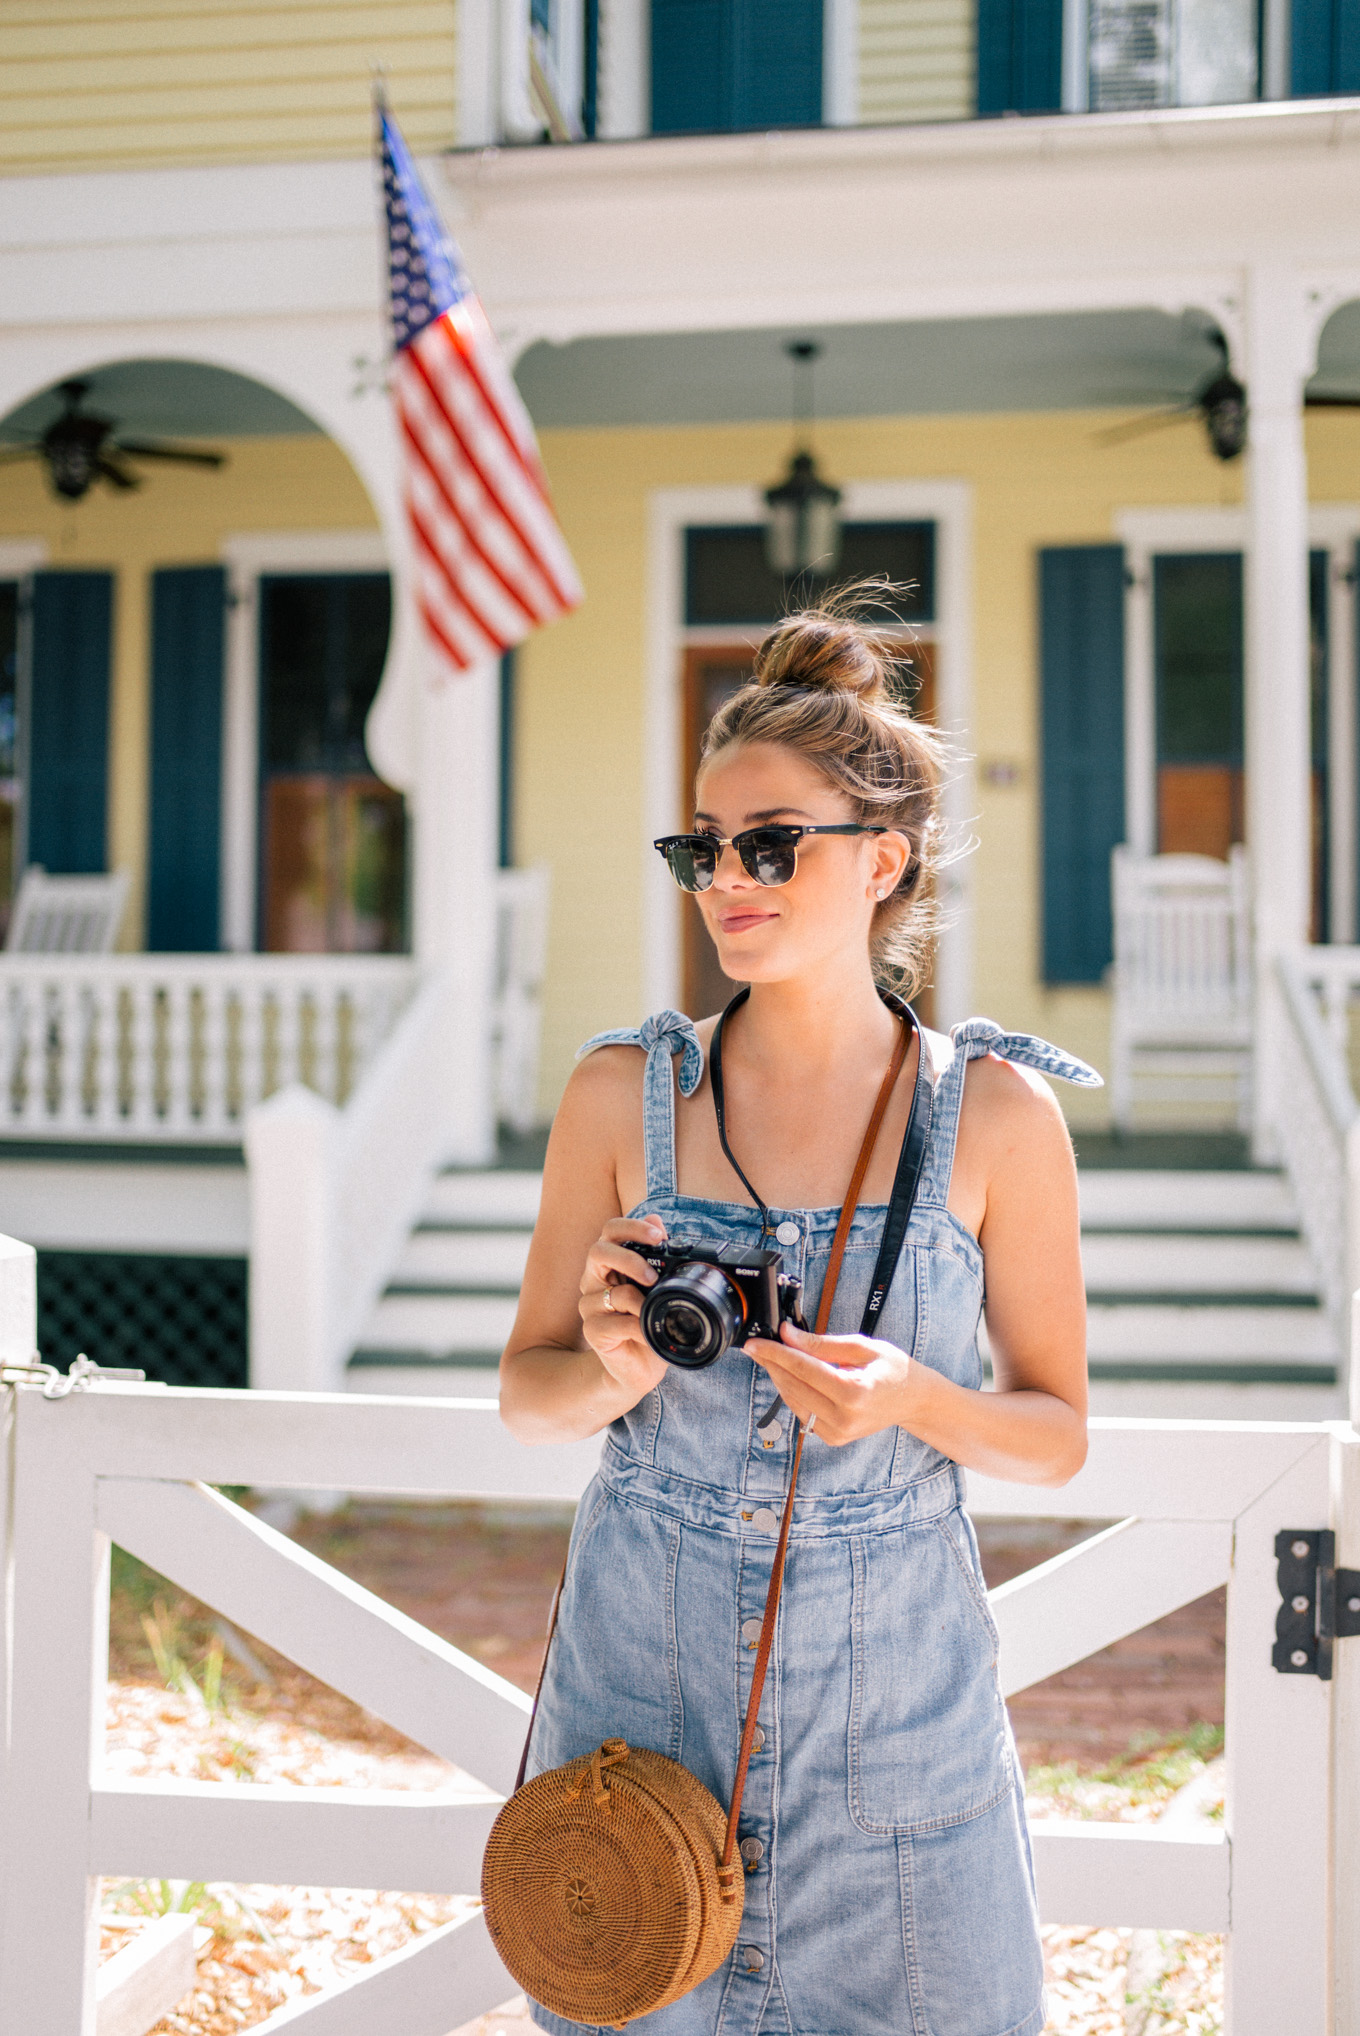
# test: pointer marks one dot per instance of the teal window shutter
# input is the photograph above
(68, 717)
(1081, 614)
(723, 65)
(1324, 48)
(1019, 56)
(188, 608)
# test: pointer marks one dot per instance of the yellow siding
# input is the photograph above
(1036, 480)
(916, 60)
(115, 84)
(179, 518)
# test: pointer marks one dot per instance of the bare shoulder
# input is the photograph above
(1010, 1113)
(603, 1096)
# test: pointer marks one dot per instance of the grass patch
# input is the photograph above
(1145, 1776)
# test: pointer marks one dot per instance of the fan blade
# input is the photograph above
(1331, 402)
(143, 449)
(119, 476)
(1137, 426)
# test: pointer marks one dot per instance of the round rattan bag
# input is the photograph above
(603, 1888)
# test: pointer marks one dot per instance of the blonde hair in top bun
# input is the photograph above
(833, 687)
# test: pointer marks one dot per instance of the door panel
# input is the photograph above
(1197, 634)
(332, 835)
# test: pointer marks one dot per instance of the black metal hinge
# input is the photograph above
(1319, 1603)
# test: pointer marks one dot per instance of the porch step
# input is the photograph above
(450, 1305)
(1201, 1293)
(1199, 1282)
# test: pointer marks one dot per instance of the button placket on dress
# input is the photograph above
(753, 1955)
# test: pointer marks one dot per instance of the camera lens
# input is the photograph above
(693, 1316)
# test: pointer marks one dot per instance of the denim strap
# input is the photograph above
(660, 1037)
(972, 1039)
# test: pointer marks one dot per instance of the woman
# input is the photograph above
(889, 1888)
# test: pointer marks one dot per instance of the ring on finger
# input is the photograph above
(609, 1300)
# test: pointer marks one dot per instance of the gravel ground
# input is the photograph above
(189, 1700)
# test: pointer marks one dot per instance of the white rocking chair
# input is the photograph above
(1181, 1036)
(66, 915)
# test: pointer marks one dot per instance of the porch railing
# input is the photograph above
(1319, 1117)
(149, 1047)
(1196, 1505)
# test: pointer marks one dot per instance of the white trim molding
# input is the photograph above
(671, 511)
(840, 63)
(1333, 527)
(246, 557)
(20, 556)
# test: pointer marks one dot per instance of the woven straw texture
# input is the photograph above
(602, 1886)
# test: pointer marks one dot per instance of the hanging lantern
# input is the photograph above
(802, 522)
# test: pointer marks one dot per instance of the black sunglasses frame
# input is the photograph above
(751, 844)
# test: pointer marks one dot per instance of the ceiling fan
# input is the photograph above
(1221, 404)
(80, 447)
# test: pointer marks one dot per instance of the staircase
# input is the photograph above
(448, 1309)
(1203, 1299)
(1204, 1302)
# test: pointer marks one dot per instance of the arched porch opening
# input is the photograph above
(190, 655)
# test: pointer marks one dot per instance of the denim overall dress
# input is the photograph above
(889, 1887)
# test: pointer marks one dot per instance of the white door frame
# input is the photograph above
(246, 557)
(1145, 533)
(671, 511)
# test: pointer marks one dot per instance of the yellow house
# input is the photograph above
(1042, 265)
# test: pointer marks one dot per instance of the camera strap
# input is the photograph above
(905, 1185)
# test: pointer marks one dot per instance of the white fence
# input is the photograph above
(148, 1047)
(1195, 1505)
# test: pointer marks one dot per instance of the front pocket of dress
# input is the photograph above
(927, 1737)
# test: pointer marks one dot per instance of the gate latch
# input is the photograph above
(1319, 1603)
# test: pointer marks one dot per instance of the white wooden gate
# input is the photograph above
(1195, 1505)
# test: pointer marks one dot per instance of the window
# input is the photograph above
(727, 580)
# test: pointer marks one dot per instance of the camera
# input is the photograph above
(706, 1299)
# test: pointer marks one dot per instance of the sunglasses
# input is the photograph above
(769, 854)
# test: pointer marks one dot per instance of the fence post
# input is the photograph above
(290, 1145)
(56, 1666)
(1350, 1216)
(1278, 1752)
(18, 1340)
(1344, 1835)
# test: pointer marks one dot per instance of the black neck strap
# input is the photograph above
(910, 1162)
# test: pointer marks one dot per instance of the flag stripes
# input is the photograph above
(491, 563)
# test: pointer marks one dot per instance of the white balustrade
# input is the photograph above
(144, 1047)
(1197, 1504)
(335, 1191)
(1318, 1117)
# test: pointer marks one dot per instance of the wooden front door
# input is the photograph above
(332, 835)
(712, 673)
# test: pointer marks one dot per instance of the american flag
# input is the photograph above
(491, 562)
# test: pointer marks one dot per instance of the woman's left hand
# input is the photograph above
(854, 1385)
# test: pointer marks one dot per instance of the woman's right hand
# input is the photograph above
(614, 1333)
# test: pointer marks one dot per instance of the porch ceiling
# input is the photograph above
(188, 399)
(1081, 360)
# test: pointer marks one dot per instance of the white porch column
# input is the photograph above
(456, 811)
(1279, 347)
